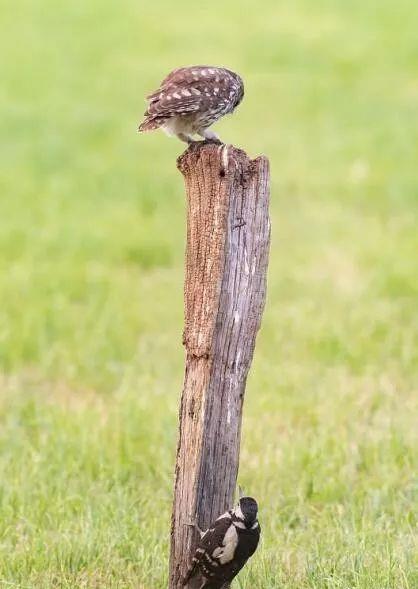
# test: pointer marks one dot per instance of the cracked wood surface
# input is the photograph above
(228, 236)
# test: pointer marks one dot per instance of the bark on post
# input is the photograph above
(228, 235)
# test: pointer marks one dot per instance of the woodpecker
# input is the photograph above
(226, 546)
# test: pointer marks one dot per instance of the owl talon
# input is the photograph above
(214, 140)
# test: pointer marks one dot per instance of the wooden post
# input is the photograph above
(228, 235)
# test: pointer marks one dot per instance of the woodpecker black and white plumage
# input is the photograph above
(226, 546)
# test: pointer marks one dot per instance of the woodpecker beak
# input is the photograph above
(241, 492)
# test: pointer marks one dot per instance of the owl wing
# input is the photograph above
(168, 101)
(174, 100)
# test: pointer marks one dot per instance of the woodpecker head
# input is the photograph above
(246, 510)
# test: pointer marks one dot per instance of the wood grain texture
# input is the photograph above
(228, 236)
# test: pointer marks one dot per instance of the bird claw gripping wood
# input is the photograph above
(196, 527)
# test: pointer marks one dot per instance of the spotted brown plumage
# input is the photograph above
(190, 99)
(226, 546)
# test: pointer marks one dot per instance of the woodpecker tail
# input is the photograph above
(190, 573)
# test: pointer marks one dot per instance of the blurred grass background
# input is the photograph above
(92, 223)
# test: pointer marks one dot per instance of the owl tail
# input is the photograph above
(149, 124)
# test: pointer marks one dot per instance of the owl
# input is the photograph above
(190, 99)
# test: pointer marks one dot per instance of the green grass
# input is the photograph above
(91, 271)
